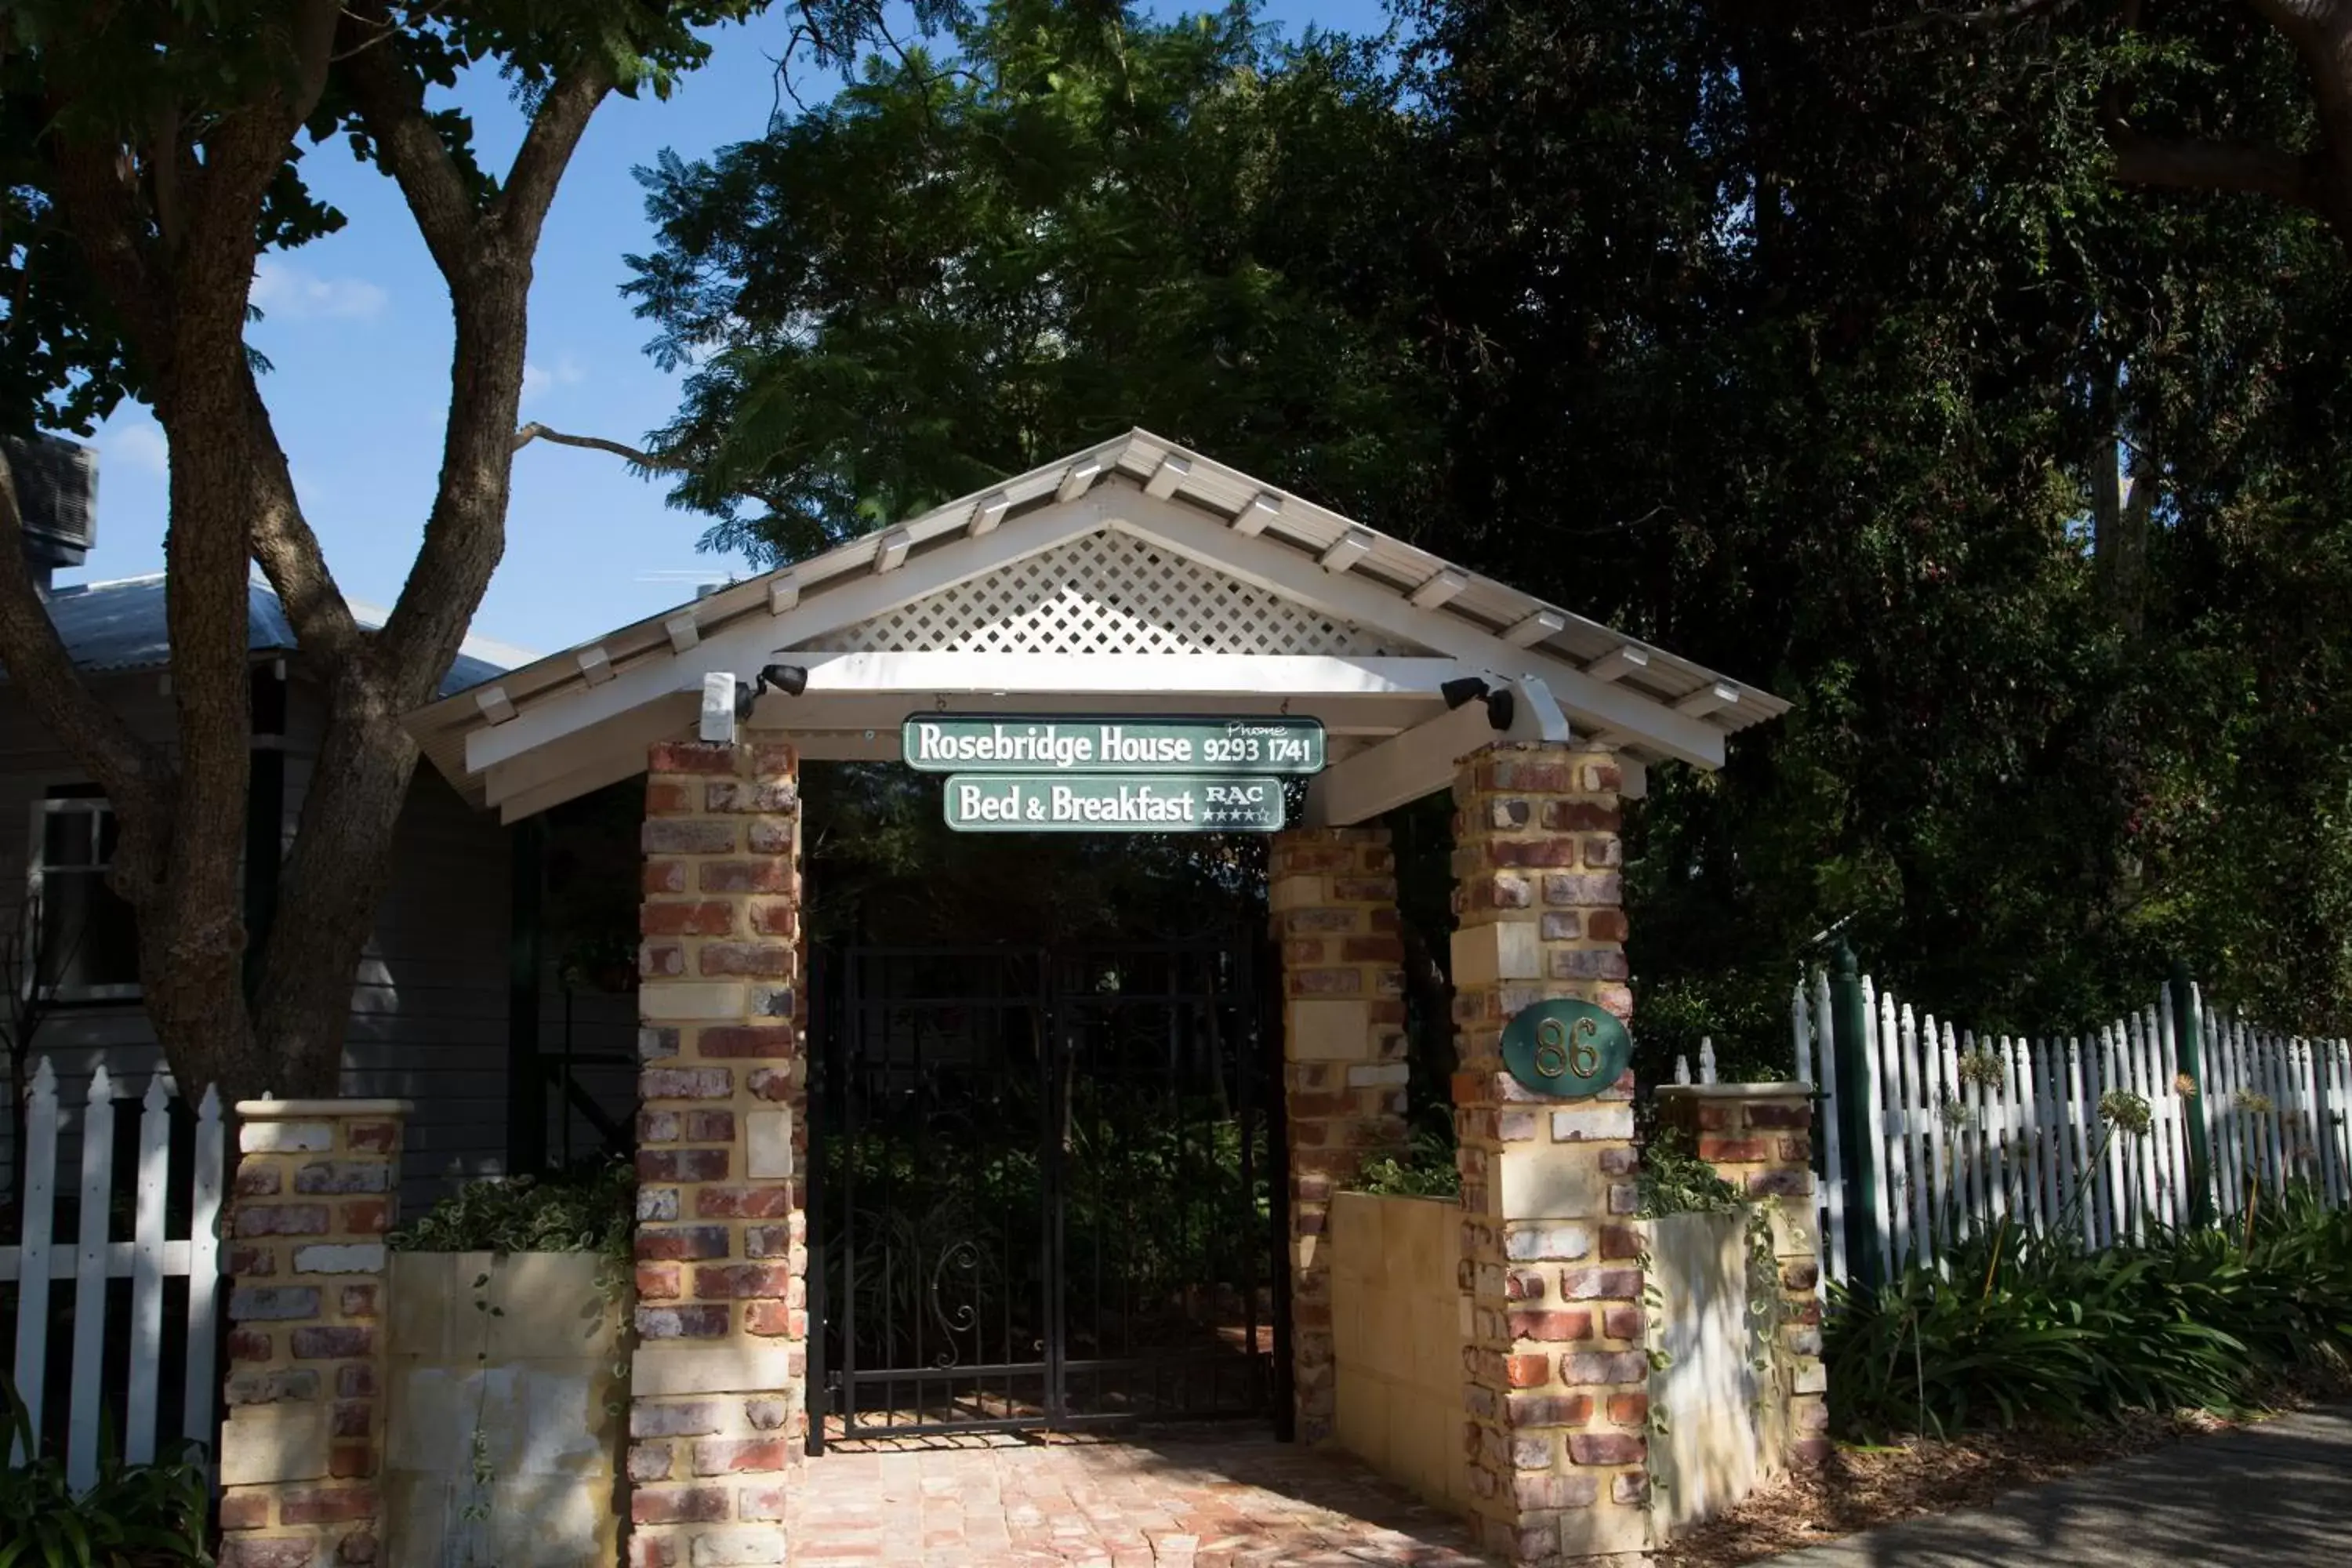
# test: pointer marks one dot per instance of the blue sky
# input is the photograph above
(357, 326)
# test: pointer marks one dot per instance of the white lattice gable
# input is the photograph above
(1111, 591)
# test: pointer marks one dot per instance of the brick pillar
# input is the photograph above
(719, 1414)
(315, 1185)
(1557, 1369)
(1333, 897)
(1758, 1137)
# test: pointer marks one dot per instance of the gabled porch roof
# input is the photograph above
(1134, 576)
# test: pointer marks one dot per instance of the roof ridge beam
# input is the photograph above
(1283, 569)
(1262, 509)
(1713, 698)
(1350, 547)
(1442, 586)
(1534, 627)
(1619, 662)
(1168, 477)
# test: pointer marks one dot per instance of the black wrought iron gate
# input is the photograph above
(1043, 1192)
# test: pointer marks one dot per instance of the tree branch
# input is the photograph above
(132, 773)
(102, 215)
(287, 549)
(637, 457)
(546, 150)
(2195, 165)
(642, 460)
(314, 52)
(392, 104)
(1983, 17)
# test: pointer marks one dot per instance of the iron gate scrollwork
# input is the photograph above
(1043, 1189)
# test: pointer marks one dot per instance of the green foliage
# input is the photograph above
(1085, 220)
(1426, 1170)
(591, 1209)
(2022, 1330)
(1674, 1180)
(1644, 309)
(135, 1516)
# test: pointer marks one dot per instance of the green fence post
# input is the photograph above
(1864, 1244)
(2189, 1053)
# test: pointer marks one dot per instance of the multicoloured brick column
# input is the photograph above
(1333, 897)
(1556, 1366)
(1758, 1137)
(719, 1411)
(315, 1185)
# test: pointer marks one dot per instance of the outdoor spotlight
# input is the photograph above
(791, 680)
(1500, 707)
(1461, 688)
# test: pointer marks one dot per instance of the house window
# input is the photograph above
(89, 942)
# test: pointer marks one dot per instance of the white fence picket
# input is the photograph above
(204, 1266)
(93, 1258)
(147, 1270)
(1972, 1133)
(1884, 1208)
(32, 1271)
(89, 1280)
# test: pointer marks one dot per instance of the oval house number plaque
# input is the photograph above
(1568, 1049)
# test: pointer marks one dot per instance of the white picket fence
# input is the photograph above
(93, 1257)
(1970, 1134)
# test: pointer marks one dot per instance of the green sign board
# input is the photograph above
(1022, 743)
(1568, 1049)
(1091, 802)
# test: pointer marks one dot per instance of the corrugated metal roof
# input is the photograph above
(120, 626)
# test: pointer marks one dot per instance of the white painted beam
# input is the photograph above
(1422, 760)
(1271, 678)
(1080, 478)
(1369, 715)
(989, 512)
(890, 550)
(750, 642)
(1709, 699)
(784, 592)
(1272, 565)
(1537, 715)
(1619, 662)
(607, 768)
(492, 701)
(1531, 629)
(1346, 550)
(1442, 585)
(627, 734)
(595, 666)
(1168, 477)
(683, 630)
(1262, 509)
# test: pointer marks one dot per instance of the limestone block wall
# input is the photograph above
(1397, 1312)
(1758, 1137)
(1556, 1374)
(314, 1195)
(1726, 1428)
(507, 1401)
(719, 1416)
(1333, 907)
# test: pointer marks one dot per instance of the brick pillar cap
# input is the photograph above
(1789, 1091)
(311, 1110)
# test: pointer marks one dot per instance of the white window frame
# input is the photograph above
(36, 850)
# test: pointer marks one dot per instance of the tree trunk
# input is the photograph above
(170, 235)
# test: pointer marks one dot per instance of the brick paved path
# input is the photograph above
(1188, 1501)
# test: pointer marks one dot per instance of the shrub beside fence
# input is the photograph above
(1932, 1133)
